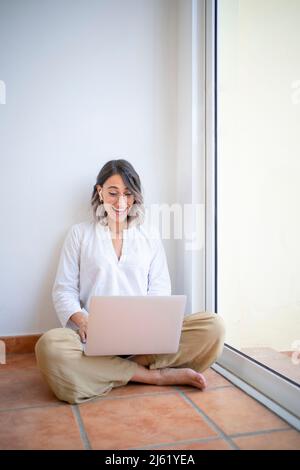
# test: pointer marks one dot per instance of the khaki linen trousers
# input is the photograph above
(76, 378)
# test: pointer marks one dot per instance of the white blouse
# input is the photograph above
(89, 266)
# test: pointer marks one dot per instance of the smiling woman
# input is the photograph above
(116, 254)
(117, 198)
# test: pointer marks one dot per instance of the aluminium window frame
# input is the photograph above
(274, 391)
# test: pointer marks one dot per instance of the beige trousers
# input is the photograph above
(75, 377)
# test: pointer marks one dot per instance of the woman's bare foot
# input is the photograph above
(172, 376)
(169, 376)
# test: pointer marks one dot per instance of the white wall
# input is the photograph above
(85, 82)
(259, 172)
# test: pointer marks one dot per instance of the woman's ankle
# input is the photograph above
(147, 376)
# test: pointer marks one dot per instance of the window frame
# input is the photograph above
(267, 386)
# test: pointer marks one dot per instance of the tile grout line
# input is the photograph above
(33, 407)
(174, 443)
(150, 394)
(138, 395)
(83, 433)
(207, 389)
(207, 439)
(209, 421)
(133, 395)
(259, 433)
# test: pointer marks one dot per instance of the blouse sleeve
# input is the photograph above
(65, 292)
(159, 282)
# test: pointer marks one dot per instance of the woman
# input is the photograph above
(116, 255)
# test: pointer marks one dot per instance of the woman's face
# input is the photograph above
(117, 198)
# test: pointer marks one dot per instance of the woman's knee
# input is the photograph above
(46, 341)
(53, 351)
(53, 343)
(211, 323)
(217, 327)
(217, 334)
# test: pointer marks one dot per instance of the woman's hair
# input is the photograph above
(131, 179)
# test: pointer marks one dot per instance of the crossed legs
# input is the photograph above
(75, 378)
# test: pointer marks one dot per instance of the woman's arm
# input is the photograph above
(81, 321)
(159, 282)
(65, 292)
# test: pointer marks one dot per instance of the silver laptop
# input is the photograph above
(128, 325)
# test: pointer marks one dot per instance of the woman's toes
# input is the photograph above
(175, 376)
(201, 379)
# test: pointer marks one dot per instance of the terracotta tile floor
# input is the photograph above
(135, 416)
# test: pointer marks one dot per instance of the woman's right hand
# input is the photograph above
(81, 321)
(83, 331)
